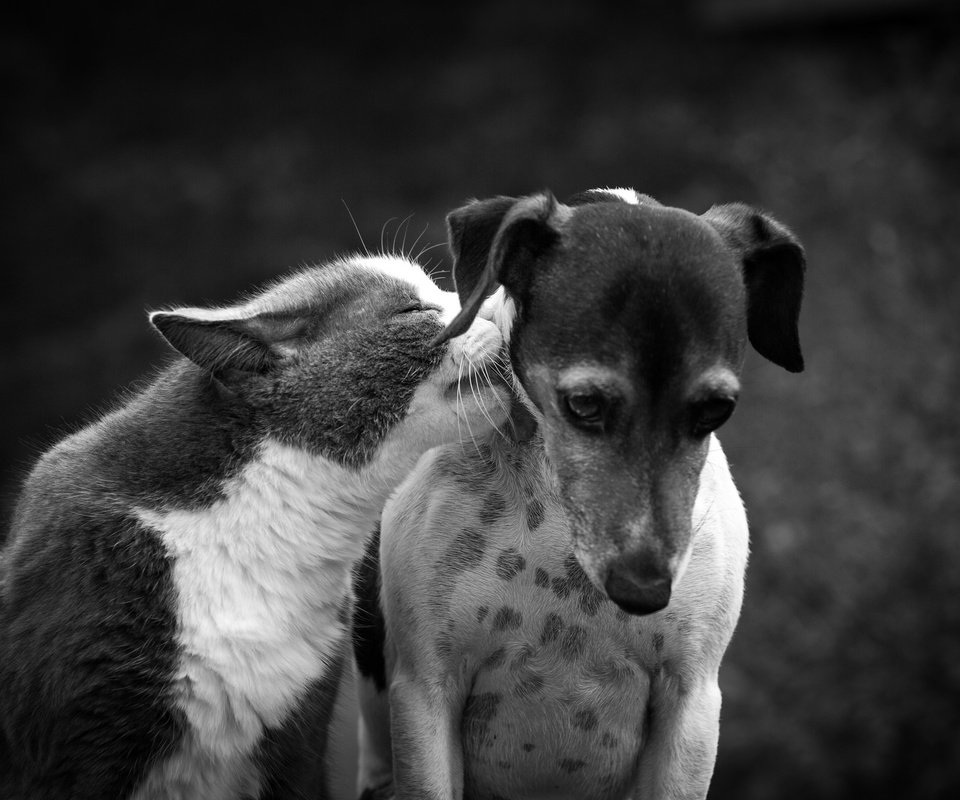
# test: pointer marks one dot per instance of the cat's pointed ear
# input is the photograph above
(773, 265)
(224, 341)
(493, 242)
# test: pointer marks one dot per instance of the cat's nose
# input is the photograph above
(480, 344)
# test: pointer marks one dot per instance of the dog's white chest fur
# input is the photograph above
(557, 684)
(260, 578)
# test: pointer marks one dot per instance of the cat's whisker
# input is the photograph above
(470, 375)
(405, 224)
(483, 376)
(419, 237)
(466, 418)
(363, 244)
(382, 232)
(459, 403)
(502, 405)
(428, 248)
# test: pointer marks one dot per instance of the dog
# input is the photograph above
(173, 595)
(550, 608)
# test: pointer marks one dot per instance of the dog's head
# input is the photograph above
(627, 324)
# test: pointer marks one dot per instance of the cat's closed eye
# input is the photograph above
(417, 307)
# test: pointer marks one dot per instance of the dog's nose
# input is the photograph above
(638, 588)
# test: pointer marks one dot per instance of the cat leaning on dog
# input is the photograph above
(173, 590)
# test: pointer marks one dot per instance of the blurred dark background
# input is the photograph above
(156, 154)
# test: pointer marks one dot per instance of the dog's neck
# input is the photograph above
(521, 452)
(523, 425)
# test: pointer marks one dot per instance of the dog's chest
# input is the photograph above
(561, 676)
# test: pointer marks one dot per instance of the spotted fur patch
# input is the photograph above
(495, 659)
(465, 551)
(572, 642)
(591, 598)
(507, 619)
(535, 514)
(510, 563)
(481, 708)
(552, 628)
(529, 685)
(493, 507)
(478, 713)
(576, 580)
(585, 720)
(542, 578)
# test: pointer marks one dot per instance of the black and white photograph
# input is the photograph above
(488, 401)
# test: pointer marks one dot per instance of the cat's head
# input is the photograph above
(342, 360)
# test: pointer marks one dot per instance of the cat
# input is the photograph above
(173, 592)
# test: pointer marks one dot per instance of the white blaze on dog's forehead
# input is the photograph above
(627, 195)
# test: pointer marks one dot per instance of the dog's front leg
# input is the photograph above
(427, 752)
(684, 725)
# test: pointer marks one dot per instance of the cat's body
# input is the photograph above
(173, 590)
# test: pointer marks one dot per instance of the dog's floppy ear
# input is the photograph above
(225, 341)
(492, 242)
(470, 233)
(773, 269)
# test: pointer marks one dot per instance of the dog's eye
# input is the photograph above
(709, 415)
(585, 408)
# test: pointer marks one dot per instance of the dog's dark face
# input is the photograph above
(628, 330)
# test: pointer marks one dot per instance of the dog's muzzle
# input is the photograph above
(638, 586)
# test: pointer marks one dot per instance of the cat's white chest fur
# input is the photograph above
(260, 578)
